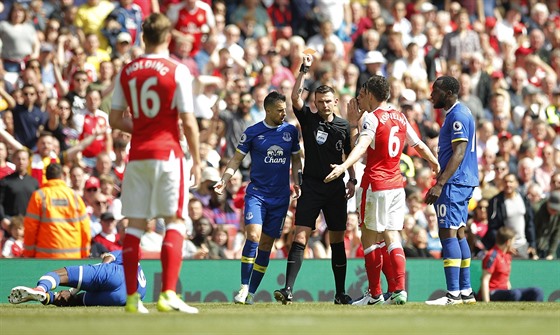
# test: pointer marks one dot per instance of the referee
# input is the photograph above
(326, 138)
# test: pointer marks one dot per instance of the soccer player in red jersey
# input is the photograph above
(381, 197)
(151, 94)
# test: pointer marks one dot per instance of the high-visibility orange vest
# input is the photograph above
(56, 223)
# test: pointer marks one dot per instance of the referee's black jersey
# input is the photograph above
(324, 142)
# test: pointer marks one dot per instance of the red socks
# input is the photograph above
(398, 260)
(171, 259)
(131, 256)
(373, 270)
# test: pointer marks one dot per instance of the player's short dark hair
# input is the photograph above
(379, 87)
(324, 89)
(272, 98)
(448, 83)
(54, 171)
(155, 28)
(504, 234)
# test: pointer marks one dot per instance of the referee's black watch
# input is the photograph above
(353, 181)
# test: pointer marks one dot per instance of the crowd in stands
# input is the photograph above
(59, 60)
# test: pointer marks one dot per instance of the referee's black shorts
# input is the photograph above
(316, 196)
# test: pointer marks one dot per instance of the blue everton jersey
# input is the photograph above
(271, 149)
(459, 126)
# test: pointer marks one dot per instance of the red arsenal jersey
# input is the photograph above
(195, 23)
(498, 264)
(156, 89)
(388, 129)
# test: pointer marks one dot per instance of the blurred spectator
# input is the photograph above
(417, 246)
(19, 40)
(6, 167)
(415, 204)
(91, 188)
(123, 47)
(28, 118)
(434, 243)
(182, 53)
(108, 239)
(77, 179)
(201, 246)
(221, 211)
(547, 225)
(210, 176)
(99, 206)
(526, 172)
(512, 209)
(352, 243)
(281, 18)
(220, 237)
(61, 124)
(13, 247)
(129, 15)
(151, 241)
(90, 17)
(253, 13)
(17, 188)
(56, 202)
(94, 54)
(192, 18)
(326, 34)
(506, 152)
(470, 100)
(93, 121)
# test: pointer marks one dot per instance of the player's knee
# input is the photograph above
(516, 295)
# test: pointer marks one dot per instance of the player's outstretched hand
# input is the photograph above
(435, 168)
(335, 173)
(297, 192)
(433, 194)
(219, 187)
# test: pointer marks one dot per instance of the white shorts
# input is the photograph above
(155, 188)
(381, 210)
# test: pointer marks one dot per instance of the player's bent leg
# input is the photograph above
(260, 266)
(248, 256)
(293, 264)
(169, 302)
(21, 294)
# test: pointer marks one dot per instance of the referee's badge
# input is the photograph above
(287, 137)
(321, 137)
(339, 145)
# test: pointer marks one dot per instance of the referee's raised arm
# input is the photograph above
(297, 101)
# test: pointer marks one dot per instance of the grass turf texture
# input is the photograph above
(299, 318)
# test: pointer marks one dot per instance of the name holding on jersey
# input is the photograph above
(148, 64)
(394, 116)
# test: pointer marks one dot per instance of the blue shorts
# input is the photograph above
(269, 213)
(452, 206)
(103, 283)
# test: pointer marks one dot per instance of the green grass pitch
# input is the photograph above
(299, 318)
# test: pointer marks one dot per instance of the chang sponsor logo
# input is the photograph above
(275, 155)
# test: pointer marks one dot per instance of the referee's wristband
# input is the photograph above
(353, 181)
